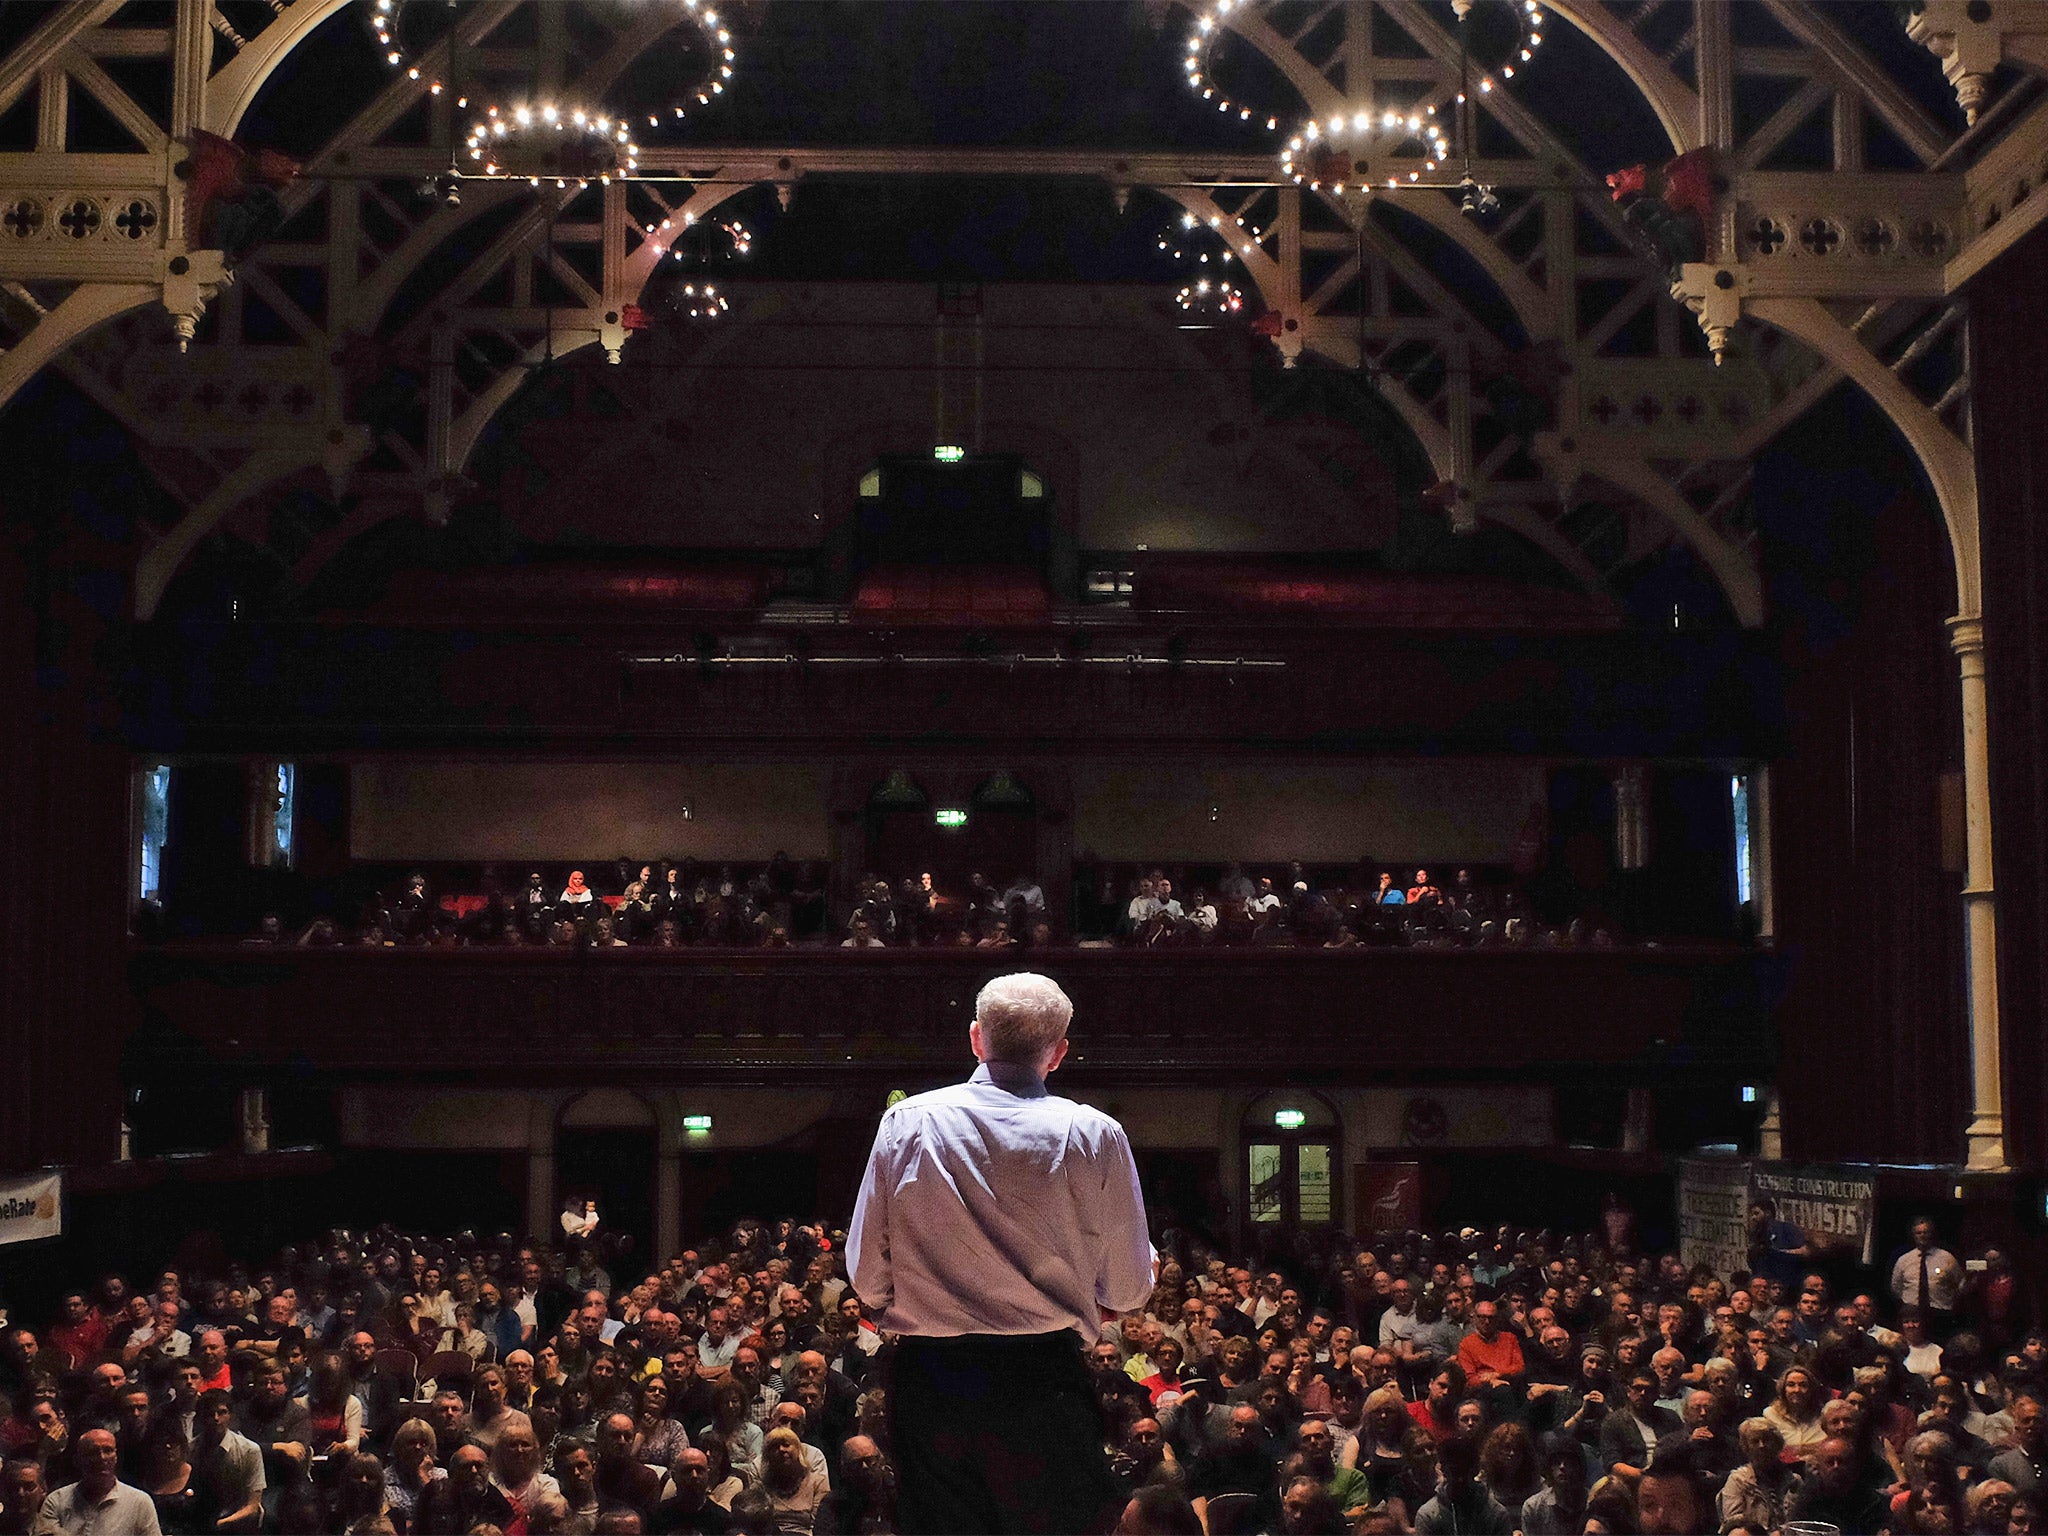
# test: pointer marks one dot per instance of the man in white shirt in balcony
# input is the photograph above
(997, 1226)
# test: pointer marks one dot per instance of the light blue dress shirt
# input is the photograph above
(996, 1207)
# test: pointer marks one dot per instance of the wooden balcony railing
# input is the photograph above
(1356, 1015)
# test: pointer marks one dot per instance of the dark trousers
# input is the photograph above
(997, 1434)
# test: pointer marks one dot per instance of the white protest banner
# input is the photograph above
(31, 1208)
(1713, 1214)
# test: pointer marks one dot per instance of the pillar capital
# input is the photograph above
(1966, 635)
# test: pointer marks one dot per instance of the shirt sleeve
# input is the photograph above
(1125, 1282)
(867, 1241)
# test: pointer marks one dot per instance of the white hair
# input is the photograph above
(1023, 1017)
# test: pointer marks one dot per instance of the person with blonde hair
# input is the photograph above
(1795, 1413)
(792, 1487)
(1758, 1492)
(995, 1224)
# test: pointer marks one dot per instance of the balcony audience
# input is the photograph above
(784, 904)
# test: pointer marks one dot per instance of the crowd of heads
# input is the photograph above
(1501, 1381)
(661, 904)
(1518, 1382)
(1300, 907)
(394, 1382)
(783, 903)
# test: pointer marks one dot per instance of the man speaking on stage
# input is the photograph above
(996, 1225)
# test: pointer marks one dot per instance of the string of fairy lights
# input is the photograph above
(541, 137)
(552, 138)
(1327, 152)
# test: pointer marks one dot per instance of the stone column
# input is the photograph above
(1770, 1130)
(1985, 1134)
(253, 1120)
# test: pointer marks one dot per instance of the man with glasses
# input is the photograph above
(1628, 1440)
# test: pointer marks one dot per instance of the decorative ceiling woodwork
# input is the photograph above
(367, 344)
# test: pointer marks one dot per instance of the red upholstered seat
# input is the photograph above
(1367, 599)
(952, 595)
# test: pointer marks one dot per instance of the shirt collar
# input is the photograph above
(1021, 1081)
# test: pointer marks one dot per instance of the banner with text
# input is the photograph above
(31, 1208)
(1713, 1214)
(1803, 1211)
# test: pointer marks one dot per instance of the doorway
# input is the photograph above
(1293, 1147)
(992, 831)
(606, 1147)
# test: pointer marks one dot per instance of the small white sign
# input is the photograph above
(31, 1208)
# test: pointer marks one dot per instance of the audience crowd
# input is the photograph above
(784, 903)
(1472, 1382)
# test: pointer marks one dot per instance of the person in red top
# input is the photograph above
(1438, 1412)
(1490, 1354)
(81, 1335)
(210, 1349)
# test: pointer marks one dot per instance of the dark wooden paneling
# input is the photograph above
(63, 790)
(2009, 369)
(535, 1015)
(1875, 1043)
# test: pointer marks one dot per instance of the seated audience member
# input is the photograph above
(535, 1497)
(1673, 1496)
(1836, 1493)
(22, 1492)
(622, 1478)
(1241, 1460)
(1461, 1503)
(97, 1503)
(1932, 1499)
(1559, 1507)
(1316, 1457)
(1758, 1493)
(687, 1505)
(1628, 1438)
(794, 1489)
(458, 1503)
(2020, 1463)
(1795, 1412)
(360, 1508)
(411, 1472)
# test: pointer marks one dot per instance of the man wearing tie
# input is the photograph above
(1928, 1276)
(996, 1226)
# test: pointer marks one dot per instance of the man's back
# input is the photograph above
(996, 1224)
(994, 1207)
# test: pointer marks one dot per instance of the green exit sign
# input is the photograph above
(948, 453)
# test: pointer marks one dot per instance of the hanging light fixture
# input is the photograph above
(1209, 27)
(561, 139)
